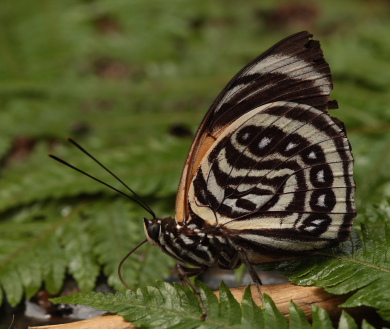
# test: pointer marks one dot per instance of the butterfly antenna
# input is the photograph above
(137, 199)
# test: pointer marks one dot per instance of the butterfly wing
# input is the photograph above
(293, 70)
(278, 177)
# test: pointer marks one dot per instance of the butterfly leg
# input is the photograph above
(184, 274)
(255, 277)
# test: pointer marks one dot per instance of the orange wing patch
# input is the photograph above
(203, 142)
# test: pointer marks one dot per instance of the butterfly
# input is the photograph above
(269, 175)
(270, 172)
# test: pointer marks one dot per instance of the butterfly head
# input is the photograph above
(152, 229)
(156, 228)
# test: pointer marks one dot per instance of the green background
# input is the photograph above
(130, 81)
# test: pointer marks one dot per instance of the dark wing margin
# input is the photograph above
(293, 70)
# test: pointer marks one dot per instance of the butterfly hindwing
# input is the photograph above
(293, 70)
(281, 172)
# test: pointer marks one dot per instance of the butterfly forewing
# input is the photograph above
(293, 70)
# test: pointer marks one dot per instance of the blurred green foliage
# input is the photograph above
(131, 80)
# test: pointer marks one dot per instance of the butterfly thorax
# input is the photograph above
(192, 244)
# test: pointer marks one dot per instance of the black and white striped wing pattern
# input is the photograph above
(278, 177)
(293, 70)
(270, 170)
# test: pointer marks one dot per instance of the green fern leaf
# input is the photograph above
(125, 231)
(273, 318)
(366, 325)
(321, 318)
(81, 241)
(229, 305)
(11, 284)
(78, 252)
(252, 315)
(28, 183)
(167, 306)
(297, 317)
(358, 266)
(26, 263)
(347, 322)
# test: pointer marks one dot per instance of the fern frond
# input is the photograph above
(26, 263)
(167, 306)
(360, 266)
(80, 241)
(77, 248)
(153, 171)
(116, 228)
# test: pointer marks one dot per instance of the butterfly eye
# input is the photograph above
(154, 230)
